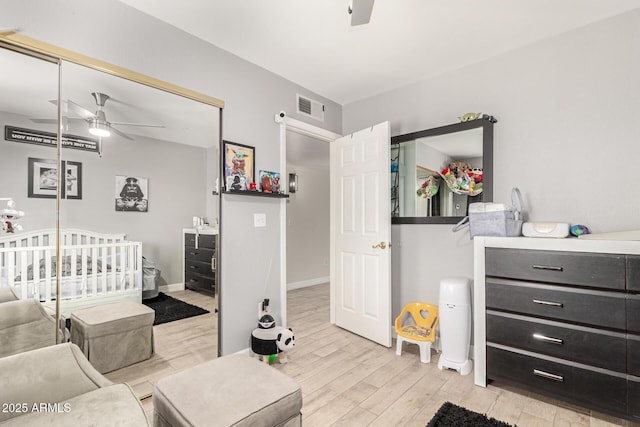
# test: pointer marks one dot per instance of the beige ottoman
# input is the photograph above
(234, 390)
(113, 336)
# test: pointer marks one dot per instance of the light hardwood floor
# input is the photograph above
(349, 381)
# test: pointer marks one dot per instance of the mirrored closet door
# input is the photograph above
(136, 165)
(28, 190)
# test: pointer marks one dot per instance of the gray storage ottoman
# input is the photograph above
(234, 390)
(115, 335)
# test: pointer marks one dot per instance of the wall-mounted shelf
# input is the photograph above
(257, 194)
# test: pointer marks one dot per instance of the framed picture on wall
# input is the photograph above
(132, 194)
(43, 179)
(239, 165)
(73, 178)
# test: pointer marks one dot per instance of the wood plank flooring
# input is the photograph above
(347, 380)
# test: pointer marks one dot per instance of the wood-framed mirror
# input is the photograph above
(436, 173)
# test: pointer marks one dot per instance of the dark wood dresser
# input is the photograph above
(561, 318)
(200, 260)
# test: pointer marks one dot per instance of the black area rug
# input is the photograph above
(169, 309)
(450, 415)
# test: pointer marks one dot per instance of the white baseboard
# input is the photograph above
(307, 283)
(174, 287)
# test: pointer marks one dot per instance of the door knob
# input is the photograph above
(381, 245)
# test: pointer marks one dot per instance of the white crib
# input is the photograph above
(96, 268)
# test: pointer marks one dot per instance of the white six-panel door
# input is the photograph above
(361, 230)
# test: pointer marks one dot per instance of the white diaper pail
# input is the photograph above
(455, 324)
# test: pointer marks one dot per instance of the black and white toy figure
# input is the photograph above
(285, 341)
(272, 342)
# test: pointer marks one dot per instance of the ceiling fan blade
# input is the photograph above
(47, 121)
(360, 11)
(76, 108)
(54, 121)
(137, 124)
(80, 110)
(124, 135)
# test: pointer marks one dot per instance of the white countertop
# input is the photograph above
(201, 230)
(572, 244)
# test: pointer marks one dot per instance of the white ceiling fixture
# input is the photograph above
(405, 42)
(360, 11)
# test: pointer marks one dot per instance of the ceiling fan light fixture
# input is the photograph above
(99, 128)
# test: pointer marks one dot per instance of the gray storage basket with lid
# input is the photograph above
(504, 223)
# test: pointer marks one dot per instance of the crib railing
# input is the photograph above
(86, 270)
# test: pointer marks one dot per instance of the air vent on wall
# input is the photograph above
(310, 108)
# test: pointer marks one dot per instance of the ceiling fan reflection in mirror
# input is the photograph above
(360, 11)
(98, 124)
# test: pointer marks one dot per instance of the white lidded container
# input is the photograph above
(454, 307)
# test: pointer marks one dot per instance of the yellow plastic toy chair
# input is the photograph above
(422, 331)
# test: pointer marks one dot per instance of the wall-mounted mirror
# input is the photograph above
(436, 173)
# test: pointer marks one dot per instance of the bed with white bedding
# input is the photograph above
(96, 268)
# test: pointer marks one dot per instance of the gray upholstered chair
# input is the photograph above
(7, 294)
(57, 385)
(25, 325)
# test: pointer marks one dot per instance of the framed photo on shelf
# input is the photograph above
(43, 179)
(239, 165)
(270, 182)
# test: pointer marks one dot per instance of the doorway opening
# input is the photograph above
(306, 232)
(308, 214)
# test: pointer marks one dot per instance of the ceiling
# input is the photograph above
(28, 85)
(313, 44)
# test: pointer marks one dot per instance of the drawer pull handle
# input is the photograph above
(193, 267)
(545, 338)
(193, 253)
(551, 303)
(548, 375)
(547, 267)
(193, 280)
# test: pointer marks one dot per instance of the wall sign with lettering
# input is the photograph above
(30, 136)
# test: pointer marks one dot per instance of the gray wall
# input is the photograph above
(124, 36)
(567, 136)
(176, 174)
(308, 228)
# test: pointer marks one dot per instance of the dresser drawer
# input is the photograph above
(591, 389)
(203, 255)
(190, 239)
(205, 241)
(578, 344)
(198, 267)
(198, 281)
(633, 313)
(572, 268)
(597, 308)
(633, 387)
(633, 355)
(633, 273)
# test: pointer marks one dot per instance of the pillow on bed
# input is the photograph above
(66, 267)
